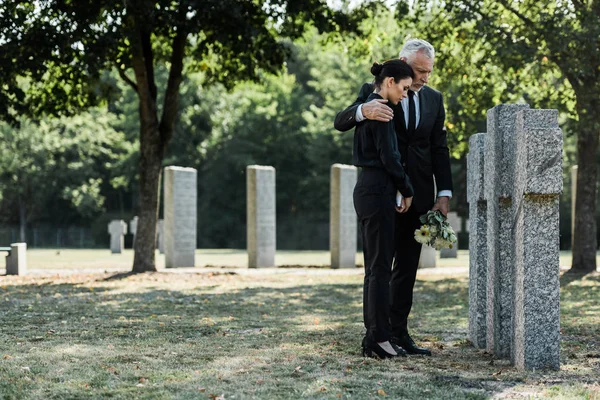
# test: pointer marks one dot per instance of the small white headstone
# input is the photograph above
(260, 184)
(133, 228)
(16, 262)
(117, 229)
(180, 211)
(427, 258)
(342, 217)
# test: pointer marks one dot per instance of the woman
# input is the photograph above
(382, 175)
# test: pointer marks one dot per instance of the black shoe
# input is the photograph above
(401, 352)
(373, 350)
(409, 345)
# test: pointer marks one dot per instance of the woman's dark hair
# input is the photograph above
(395, 68)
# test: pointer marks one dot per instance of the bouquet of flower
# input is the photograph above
(435, 231)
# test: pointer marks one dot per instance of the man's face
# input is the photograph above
(422, 66)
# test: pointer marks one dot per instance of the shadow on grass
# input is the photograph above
(265, 330)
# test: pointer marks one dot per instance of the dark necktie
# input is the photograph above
(412, 113)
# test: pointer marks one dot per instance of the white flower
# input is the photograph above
(423, 235)
(433, 230)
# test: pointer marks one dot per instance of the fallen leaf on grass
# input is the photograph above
(259, 381)
(497, 373)
(142, 380)
(323, 363)
(216, 397)
(381, 392)
(322, 389)
(7, 357)
(317, 321)
(202, 390)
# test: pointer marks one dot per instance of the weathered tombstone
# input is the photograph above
(455, 222)
(573, 200)
(16, 262)
(538, 185)
(117, 229)
(260, 207)
(160, 233)
(500, 143)
(180, 213)
(427, 257)
(477, 242)
(342, 220)
(133, 228)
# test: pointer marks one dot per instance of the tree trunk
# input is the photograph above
(150, 166)
(154, 135)
(584, 241)
(22, 221)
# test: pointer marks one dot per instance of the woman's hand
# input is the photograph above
(404, 205)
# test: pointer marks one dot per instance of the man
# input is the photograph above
(419, 124)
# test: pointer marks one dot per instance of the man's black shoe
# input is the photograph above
(409, 345)
(399, 350)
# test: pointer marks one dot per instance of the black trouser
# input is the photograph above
(374, 199)
(406, 261)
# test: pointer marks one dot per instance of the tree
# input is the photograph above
(567, 34)
(53, 54)
(62, 162)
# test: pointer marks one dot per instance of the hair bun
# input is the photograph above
(376, 68)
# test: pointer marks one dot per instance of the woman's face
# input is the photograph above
(399, 90)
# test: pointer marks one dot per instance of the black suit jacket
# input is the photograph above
(424, 153)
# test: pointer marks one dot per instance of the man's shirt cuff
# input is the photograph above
(359, 116)
(445, 193)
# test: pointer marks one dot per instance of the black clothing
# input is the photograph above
(375, 150)
(406, 261)
(424, 154)
(375, 146)
(374, 199)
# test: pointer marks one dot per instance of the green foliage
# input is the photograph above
(63, 165)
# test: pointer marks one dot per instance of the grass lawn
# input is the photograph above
(293, 334)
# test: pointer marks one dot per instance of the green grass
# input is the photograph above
(278, 336)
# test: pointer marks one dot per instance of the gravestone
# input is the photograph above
(260, 207)
(499, 174)
(160, 233)
(477, 242)
(455, 222)
(180, 213)
(427, 257)
(16, 262)
(343, 222)
(538, 185)
(117, 229)
(133, 228)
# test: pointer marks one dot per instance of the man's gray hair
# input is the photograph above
(413, 46)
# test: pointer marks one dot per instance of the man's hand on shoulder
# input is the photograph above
(442, 204)
(377, 110)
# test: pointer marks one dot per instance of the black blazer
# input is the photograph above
(424, 153)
